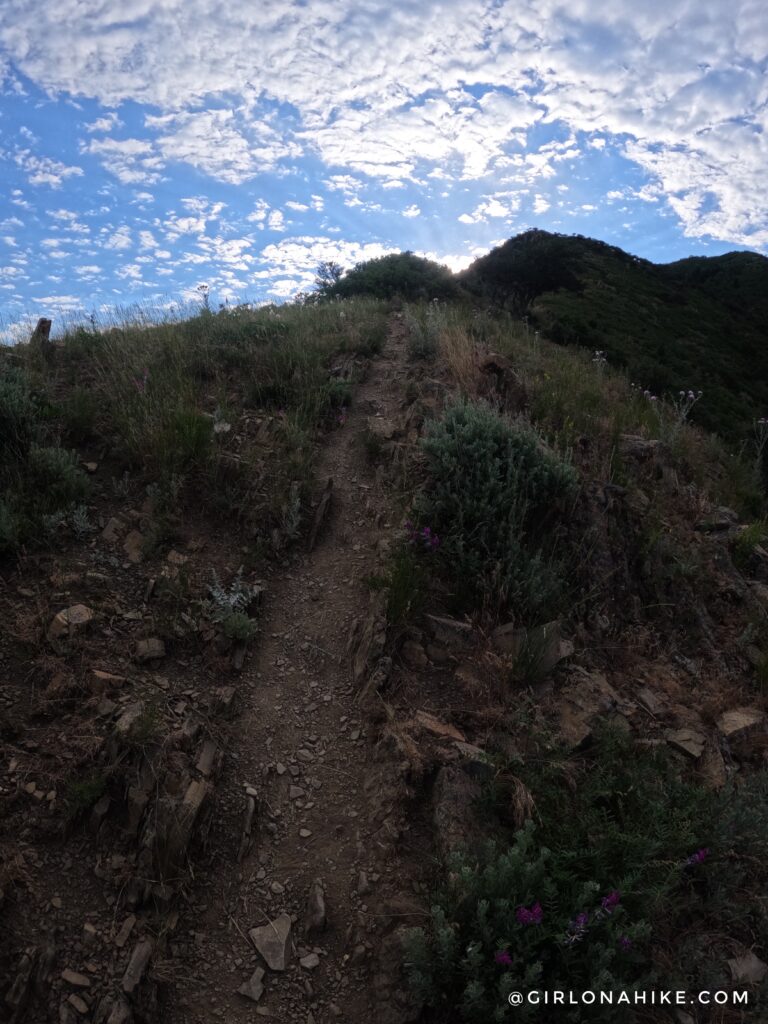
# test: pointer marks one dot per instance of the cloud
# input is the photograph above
(330, 109)
(44, 170)
(276, 221)
(221, 145)
(499, 205)
(132, 161)
(295, 260)
(120, 239)
(104, 124)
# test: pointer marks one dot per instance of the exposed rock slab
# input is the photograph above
(272, 942)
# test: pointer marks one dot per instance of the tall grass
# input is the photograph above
(169, 397)
(573, 395)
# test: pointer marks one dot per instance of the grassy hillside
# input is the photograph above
(526, 596)
(698, 323)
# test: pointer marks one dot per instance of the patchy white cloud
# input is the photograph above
(104, 124)
(329, 110)
(292, 263)
(43, 170)
(276, 221)
(119, 239)
(219, 144)
(496, 206)
(132, 161)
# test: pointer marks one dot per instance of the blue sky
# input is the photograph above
(148, 147)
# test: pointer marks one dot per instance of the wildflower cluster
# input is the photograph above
(422, 537)
(698, 857)
(685, 401)
(534, 915)
(600, 360)
(671, 414)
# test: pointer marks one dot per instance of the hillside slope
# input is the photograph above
(701, 322)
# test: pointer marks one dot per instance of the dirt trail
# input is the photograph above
(302, 742)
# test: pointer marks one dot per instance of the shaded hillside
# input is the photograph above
(701, 322)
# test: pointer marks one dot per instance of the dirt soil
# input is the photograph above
(327, 803)
(333, 840)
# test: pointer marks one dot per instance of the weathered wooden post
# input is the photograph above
(41, 339)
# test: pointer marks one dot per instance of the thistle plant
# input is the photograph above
(600, 360)
(672, 415)
(226, 600)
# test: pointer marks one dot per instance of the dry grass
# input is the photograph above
(459, 352)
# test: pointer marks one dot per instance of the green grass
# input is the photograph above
(167, 398)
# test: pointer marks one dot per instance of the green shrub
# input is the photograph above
(38, 481)
(239, 626)
(53, 479)
(746, 541)
(405, 583)
(402, 274)
(494, 497)
(630, 878)
(82, 795)
(79, 412)
(186, 440)
(18, 417)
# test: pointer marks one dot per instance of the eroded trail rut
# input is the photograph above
(302, 743)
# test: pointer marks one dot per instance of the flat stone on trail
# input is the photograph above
(271, 941)
(316, 914)
(149, 650)
(75, 979)
(310, 961)
(737, 723)
(687, 741)
(137, 965)
(70, 621)
(253, 989)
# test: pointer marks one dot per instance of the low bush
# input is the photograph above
(19, 425)
(495, 495)
(39, 482)
(630, 878)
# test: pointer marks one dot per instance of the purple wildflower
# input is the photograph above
(503, 957)
(698, 858)
(625, 943)
(423, 538)
(611, 901)
(140, 383)
(532, 916)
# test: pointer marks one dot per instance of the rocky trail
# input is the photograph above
(239, 843)
(315, 886)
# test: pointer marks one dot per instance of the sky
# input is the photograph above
(148, 147)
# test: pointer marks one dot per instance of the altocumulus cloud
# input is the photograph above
(243, 143)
